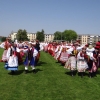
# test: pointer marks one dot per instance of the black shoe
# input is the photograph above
(81, 74)
(94, 74)
(12, 72)
(34, 71)
(90, 75)
(26, 71)
(72, 73)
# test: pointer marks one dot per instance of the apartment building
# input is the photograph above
(32, 36)
(48, 37)
(13, 36)
(88, 38)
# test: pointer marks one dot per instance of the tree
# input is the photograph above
(58, 35)
(40, 35)
(22, 35)
(3, 39)
(69, 35)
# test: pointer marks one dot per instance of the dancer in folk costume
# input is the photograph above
(58, 52)
(50, 48)
(75, 50)
(31, 54)
(91, 61)
(5, 45)
(20, 53)
(81, 61)
(97, 47)
(45, 46)
(54, 48)
(37, 47)
(12, 59)
(96, 54)
(71, 63)
(98, 58)
(63, 56)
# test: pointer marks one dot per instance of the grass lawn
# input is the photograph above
(51, 82)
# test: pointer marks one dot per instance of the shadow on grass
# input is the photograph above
(77, 73)
(69, 73)
(40, 63)
(16, 72)
(98, 72)
(57, 62)
(84, 74)
(36, 71)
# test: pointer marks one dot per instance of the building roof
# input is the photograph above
(88, 34)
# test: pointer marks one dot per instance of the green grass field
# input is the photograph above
(51, 82)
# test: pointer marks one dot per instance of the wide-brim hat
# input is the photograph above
(90, 47)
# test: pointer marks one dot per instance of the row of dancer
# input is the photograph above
(15, 52)
(76, 57)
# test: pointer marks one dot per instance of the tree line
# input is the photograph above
(67, 35)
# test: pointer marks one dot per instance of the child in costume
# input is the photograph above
(31, 54)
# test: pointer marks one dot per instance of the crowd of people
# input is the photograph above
(76, 57)
(16, 53)
(73, 56)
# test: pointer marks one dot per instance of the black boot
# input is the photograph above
(90, 75)
(72, 73)
(94, 74)
(26, 71)
(81, 74)
(12, 72)
(34, 71)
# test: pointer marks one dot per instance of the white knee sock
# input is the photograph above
(33, 67)
(26, 67)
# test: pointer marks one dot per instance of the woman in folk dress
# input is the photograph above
(5, 45)
(12, 60)
(64, 56)
(81, 61)
(71, 63)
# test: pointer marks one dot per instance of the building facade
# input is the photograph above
(32, 36)
(88, 38)
(84, 38)
(48, 37)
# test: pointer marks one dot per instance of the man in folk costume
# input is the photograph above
(5, 45)
(12, 59)
(81, 61)
(31, 54)
(91, 60)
